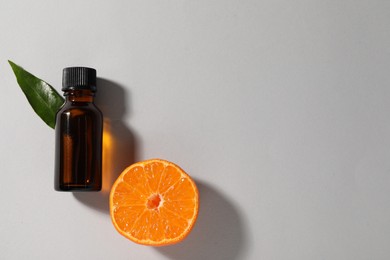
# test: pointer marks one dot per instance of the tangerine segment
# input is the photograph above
(154, 202)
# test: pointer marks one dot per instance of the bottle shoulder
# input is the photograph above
(79, 108)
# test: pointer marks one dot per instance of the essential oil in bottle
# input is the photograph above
(78, 133)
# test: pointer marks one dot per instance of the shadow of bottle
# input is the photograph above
(119, 142)
(219, 232)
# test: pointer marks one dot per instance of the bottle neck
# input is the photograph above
(79, 95)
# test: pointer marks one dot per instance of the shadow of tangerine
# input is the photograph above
(219, 232)
(119, 143)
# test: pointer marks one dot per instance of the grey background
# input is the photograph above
(278, 109)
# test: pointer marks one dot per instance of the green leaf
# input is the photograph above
(43, 98)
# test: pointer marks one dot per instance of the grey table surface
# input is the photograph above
(278, 109)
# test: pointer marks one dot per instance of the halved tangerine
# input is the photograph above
(154, 202)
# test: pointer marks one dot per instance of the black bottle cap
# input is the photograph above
(79, 78)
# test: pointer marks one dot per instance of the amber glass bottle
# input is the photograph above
(79, 129)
